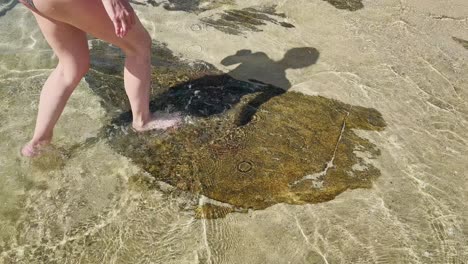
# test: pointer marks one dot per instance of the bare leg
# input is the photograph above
(64, 23)
(71, 47)
(91, 17)
(137, 74)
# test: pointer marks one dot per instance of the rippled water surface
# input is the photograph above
(315, 132)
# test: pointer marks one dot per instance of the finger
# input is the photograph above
(128, 23)
(121, 29)
(124, 28)
(121, 33)
(116, 27)
(123, 25)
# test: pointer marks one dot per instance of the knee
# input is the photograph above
(142, 47)
(74, 70)
(81, 68)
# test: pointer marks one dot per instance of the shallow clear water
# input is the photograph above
(362, 160)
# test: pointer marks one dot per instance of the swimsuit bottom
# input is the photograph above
(29, 4)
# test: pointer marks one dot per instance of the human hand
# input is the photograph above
(122, 15)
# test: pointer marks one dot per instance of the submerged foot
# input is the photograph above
(32, 149)
(160, 120)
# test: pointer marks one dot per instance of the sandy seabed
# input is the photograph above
(404, 62)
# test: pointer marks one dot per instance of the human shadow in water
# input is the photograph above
(259, 68)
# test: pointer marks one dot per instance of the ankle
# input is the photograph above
(38, 141)
(141, 121)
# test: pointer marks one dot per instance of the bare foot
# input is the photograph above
(31, 149)
(160, 120)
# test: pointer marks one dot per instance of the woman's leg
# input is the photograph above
(63, 23)
(71, 47)
(91, 17)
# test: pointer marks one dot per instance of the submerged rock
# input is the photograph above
(268, 160)
(192, 6)
(231, 21)
(351, 5)
(5, 7)
(463, 42)
(239, 21)
(293, 149)
(195, 6)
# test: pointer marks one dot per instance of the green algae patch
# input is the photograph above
(463, 42)
(239, 21)
(351, 5)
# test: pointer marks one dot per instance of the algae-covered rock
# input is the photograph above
(239, 21)
(292, 148)
(229, 20)
(462, 42)
(266, 161)
(351, 5)
(192, 6)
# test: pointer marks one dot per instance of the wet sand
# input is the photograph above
(211, 193)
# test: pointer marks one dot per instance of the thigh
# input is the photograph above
(68, 42)
(91, 17)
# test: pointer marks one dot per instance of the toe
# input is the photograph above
(28, 151)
